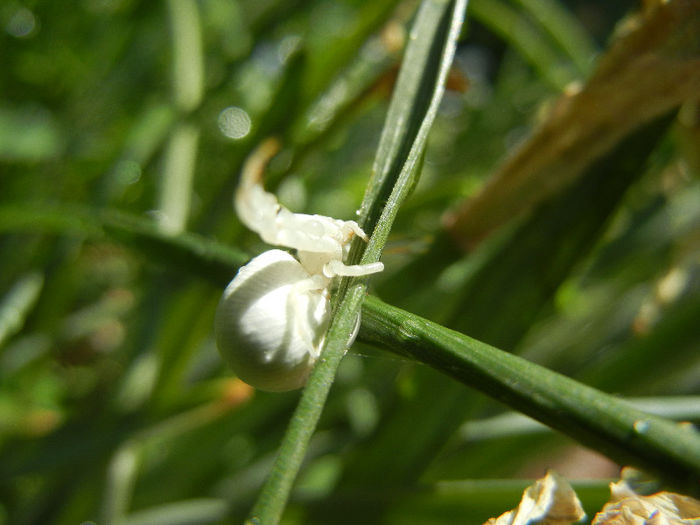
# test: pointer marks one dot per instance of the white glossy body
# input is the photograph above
(271, 322)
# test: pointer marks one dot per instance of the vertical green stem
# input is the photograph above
(275, 492)
(178, 174)
(188, 82)
(565, 30)
(418, 93)
(121, 475)
(17, 303)
(188, 68)
(502, 19)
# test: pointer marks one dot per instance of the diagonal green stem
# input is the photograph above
(627, 435)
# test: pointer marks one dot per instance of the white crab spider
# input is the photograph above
(272, 318)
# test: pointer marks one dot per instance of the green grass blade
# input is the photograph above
(187, 512)
(565, 30)
(121, 477)
(195, 254)
(513, 27)
(188, 57)
(177, 178)
(678, 408)
(413, 107)
(589, 416)
(17, 303)
(192, 253)
(188, 89)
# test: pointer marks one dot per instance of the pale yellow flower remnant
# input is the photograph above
(548, 501)
(664, 508)
(552, 501)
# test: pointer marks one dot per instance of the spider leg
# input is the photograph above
(321, 242)
(335, 268)
(256, 208)
(260, 211)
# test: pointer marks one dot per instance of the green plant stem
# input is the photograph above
(178, 176)
(16, 304)
(565, 29)
(415, 102)
(121, 477)
(628, 436)
(188, 252)
(678, 408)
(201, 510)
(527, 39)
(188, 61)
(188, 89)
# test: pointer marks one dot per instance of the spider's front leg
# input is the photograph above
(255, 207)
(338, 268)
(329, 265)
(321, 241)
(260, 211)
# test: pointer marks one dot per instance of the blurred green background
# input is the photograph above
(114, 404)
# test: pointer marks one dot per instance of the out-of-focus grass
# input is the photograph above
(114, 404)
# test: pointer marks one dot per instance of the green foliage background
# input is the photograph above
(117, 168)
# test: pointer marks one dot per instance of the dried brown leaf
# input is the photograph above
(649, 70)
(664, 508)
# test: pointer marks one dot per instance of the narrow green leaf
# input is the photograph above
(17, 303)
(565, 29)
(193, 253)
(33, 218)
(190, 252)
(188, 58)
(188, 512)
(177, 178)
(413, 107)
(121, 477)
(516, 29)
(188, 89)
(678, 408)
